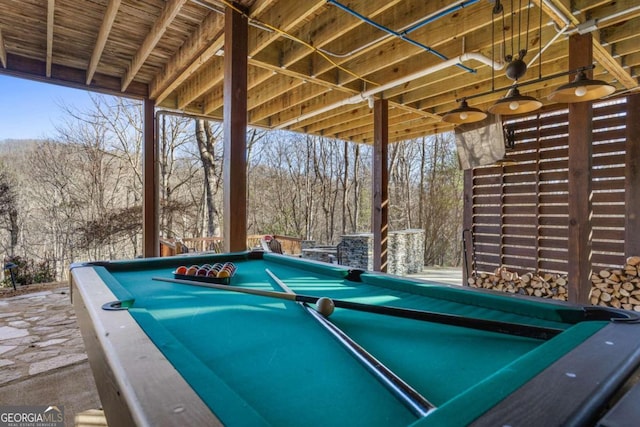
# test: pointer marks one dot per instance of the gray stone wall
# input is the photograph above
(405, 249)
(356, 250)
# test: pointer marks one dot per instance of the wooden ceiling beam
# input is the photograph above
(394, 52)
(286, 17)
(379, 6)
(321, 34)
(205, 79)
(201, 45)
(32, 69)
(103, 35)
(51, 7)
(213, 100)
(457, 79)
(407, 132)
(618, 33)
(210, 44)
(273, 88)
(583, 6)
(170, 11)
(625, 47)
(610, 13)
(456, 83)
(604, 58)
(382, 60)
(299, 100)
(3, 51)
(365, 124)
(397, 121)
(320, 123)
(631, 60)
(560, 14)
(350, 116)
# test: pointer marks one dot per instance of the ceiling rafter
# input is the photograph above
(103, 35)
(316, 84)
(561, 16)
(387, 58)
(618, 33)
(323, 35)
(192, 54)
(163, 86)
(51, 7)
(292, 16)
(285, 19)
(170, 11)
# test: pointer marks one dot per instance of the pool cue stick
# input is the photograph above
(517, 329)
(413, 400)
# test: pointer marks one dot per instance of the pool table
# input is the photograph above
(173, 354)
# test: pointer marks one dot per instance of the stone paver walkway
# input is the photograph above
(38, 333)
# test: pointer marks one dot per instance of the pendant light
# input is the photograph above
(581, 89)
(464, 114)
(514, 103)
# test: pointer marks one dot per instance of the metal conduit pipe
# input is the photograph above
(557, 11)
(364, 96)
(406, 30)
(393, 33)
(549, 43)
(593, 25)
(439, 14)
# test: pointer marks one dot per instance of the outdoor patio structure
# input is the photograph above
(555, 80)
(373, 72)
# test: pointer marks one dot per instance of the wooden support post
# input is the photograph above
(632, 178)
(580, 165)
(151, 190)
(380, 183)
(467, 226)
(235, 131)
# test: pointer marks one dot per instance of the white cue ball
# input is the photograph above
(325, 306)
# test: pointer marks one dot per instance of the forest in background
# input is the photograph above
(77, 196)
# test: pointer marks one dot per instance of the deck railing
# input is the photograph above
(169, 247)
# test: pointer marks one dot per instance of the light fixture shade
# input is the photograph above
(514, 103)
(581, 89)
(464, 114)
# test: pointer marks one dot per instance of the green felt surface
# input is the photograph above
(256, 360)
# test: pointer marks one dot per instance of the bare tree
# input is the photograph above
(9, 210)
(207, 138)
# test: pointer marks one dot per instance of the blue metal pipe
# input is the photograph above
(395, 33)
(439, 15)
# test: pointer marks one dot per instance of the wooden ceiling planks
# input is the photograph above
(170, 50)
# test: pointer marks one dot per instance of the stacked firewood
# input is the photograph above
(545, 285)
(618, 288)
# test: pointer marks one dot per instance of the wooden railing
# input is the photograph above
(169, 247)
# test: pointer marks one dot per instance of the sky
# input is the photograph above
(30, 109)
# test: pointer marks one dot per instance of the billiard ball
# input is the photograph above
(181, 270)
(325, 306)
(222, 274)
